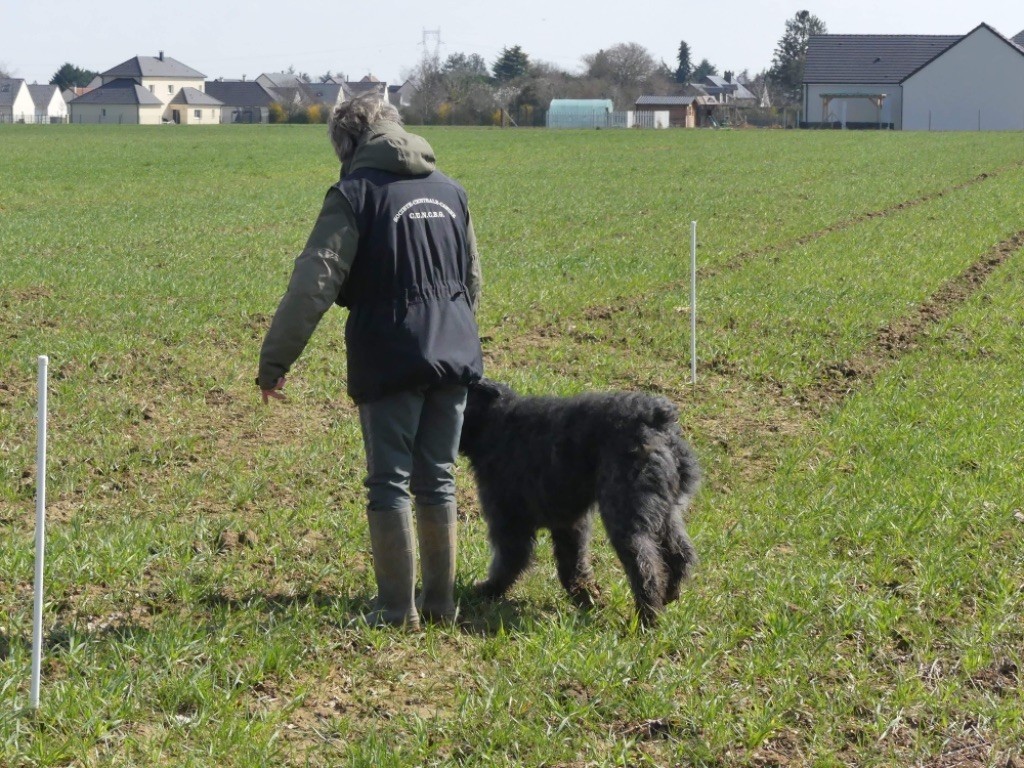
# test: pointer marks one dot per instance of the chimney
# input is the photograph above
(161, 57)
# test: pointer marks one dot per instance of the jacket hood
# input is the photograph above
(387, 146)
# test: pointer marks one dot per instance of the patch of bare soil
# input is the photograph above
(22, 295)
(780, 751)
(365, 685)
(971, 750)
(1002, 678)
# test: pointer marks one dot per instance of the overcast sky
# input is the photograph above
(386, 38)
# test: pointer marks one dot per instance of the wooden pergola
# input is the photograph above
(878, 99)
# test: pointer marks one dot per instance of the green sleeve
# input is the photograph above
(317, 277)
(474, 280)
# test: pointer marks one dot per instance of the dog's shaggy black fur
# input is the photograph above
(545, 462)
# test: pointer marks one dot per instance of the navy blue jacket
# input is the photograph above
(410, 319)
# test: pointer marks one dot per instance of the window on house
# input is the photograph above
(103, 112)
(152, 89)
(199, 114)
(170, 89)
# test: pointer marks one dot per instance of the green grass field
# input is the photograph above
(858, 417)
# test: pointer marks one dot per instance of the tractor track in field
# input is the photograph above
(744, 256)
(618, 305)
(904, 334)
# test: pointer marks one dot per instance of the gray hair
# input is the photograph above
(351, 118)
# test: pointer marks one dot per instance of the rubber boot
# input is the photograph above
(436, 527)
(394, 565)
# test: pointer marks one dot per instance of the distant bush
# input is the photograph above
(277, 113)
(316, 114)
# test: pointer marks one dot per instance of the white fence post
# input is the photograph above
(693, 302)
(37, 609)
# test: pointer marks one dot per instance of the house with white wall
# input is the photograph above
(132, 91)
(853, 81)
(119, 102)
(191, 106)
(977, 84)
(865, 81)
(49, 103)
(16, 105)
(244, 101)
(401, 95)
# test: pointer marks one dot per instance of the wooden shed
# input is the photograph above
(683, 111)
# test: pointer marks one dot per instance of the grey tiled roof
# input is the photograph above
(42, 95)
(282, 79)
(120, 91)
(153, 66)
(665, 101)
(879, 59)
(1019, 38)
(353, 89)
(719, 85)
(196, 98)
(323, 93)
(9, 87)
(240, 93)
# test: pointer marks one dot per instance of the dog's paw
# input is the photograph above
(585, 595)
(487, 590)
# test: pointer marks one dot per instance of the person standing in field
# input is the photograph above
(394, 244)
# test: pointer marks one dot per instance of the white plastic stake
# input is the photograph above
(37, 612)
(693, 302)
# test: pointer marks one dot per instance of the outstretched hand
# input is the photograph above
(275, 392)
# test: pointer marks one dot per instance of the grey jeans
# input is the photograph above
(411, 441)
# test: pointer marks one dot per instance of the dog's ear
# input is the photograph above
(488, 390)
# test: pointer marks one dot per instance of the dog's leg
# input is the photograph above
(627, 521)
(641, 557)
(511, 547)
(679, 553)
(572, 557)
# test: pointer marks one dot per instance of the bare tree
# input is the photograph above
(431, 91)
(629, 66)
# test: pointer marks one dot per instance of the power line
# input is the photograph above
(435, 35)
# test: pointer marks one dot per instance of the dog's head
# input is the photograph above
(483, 396)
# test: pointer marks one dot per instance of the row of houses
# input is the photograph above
(24, 103)
(697, 108)
(150, 90)
(972, 82)
(904, 82)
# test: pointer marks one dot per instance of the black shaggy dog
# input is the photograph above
(545, 462)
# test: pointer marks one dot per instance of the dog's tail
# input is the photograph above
(664, 417)
(663, 413)
(687, 470)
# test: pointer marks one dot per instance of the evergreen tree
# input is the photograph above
(787, 71)
(685, 69)
(703, 69)
(70, 76)
(512, 63)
